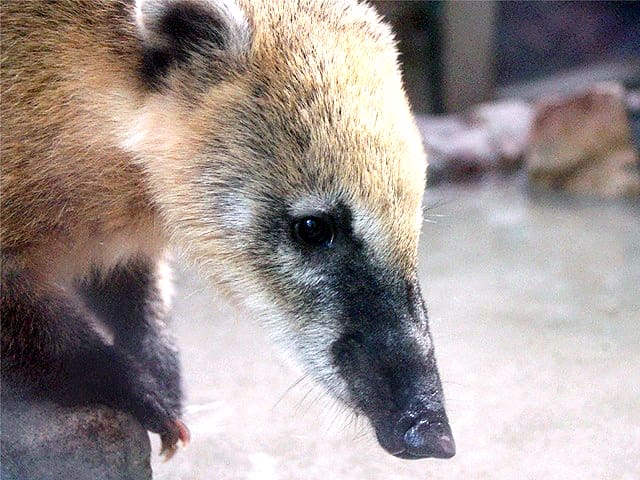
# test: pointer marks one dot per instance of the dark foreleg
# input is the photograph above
(50, 344)
(131, 302)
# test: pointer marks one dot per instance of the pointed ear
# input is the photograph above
(176, 32)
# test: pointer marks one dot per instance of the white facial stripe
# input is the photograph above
(419, 218)
(312, 204)
(165, 282)
(293, 266)
(240, 34)
(104, 331)
(368, 228)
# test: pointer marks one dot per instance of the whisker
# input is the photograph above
(302, 400)
(291, 387)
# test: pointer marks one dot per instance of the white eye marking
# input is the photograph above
(369, 228)
(299, 272)
(312, 204)
(365, 225)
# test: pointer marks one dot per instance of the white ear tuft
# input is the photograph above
(174, 31)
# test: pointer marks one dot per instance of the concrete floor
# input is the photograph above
(535, 308)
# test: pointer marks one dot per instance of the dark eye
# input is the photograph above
(313, 231)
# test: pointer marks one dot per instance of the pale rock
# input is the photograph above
(456, 151)
(582, 144)
(508, 125)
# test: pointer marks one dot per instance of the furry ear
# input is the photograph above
(175, 32)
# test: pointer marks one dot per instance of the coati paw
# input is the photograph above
(162, 419)
(175, 430)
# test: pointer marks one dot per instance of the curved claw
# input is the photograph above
(175, 431)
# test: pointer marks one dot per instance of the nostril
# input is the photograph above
(426, 439)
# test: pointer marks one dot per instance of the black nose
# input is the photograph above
(428, 436)
(427, 439)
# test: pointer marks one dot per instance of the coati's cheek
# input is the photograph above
(304, 334)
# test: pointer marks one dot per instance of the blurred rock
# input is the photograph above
(43, 441)
(491, 137)
(582, 144)
(456, 150)
(508, 124)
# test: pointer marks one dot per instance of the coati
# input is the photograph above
(272, 142)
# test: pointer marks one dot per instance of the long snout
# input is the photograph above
(397, 385)
(386, 358)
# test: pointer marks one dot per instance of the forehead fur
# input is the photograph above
(336, 76)
(317, 111)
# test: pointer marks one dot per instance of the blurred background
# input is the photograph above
(483, 77)
(456, 54)
(530, 266)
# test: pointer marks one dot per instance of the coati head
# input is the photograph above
(282, 154)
